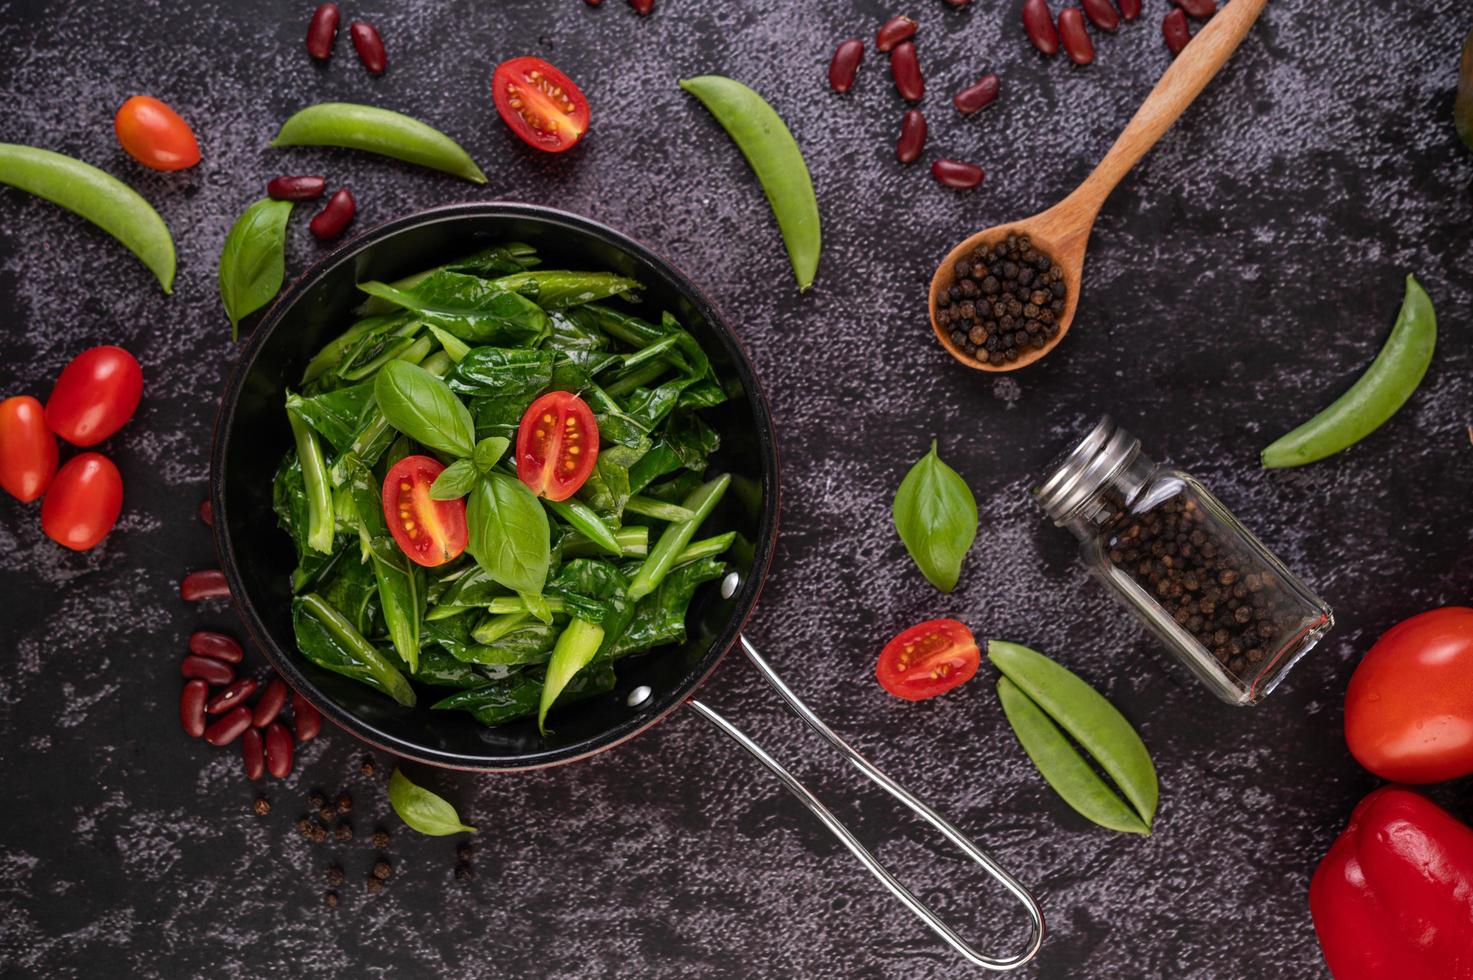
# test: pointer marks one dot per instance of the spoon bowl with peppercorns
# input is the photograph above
(1006, 296)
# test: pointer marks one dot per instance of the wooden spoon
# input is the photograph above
(1062, 232)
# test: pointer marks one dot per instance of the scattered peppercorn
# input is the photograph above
(334, 875)
(319, 833)
(318, 801)
(465, 852)
(381, 839)
(344, 831)
(345, 803)
(1005, 300)
(381, 871)
(304, 827)
(262, 806)
(374, 886)
(331, 898)
(464, 872)
(366, 767)
(327, 813)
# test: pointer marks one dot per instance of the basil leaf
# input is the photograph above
(426, 812)
(253, 260)
(509, 533)
(936, 516)
(455, 482)
(424, 408)
(489, 452)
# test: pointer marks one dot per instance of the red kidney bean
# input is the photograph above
(206, 513)
(233, 695)
(845, 64)
(958, 3)
(329, 223)
(227, 728)
(278, 750)
(306, 719)
(955, 173)
(905, 68)
(1129, 9)
(1039, 24)
(322, 31)
(977, 96)
(252, 754)
(893, 31)
(643, 7)
(912, 136)
(268, 705)
(208, 643)
(1077, 45)
(369, 45)
(1101, 14)
(207, 584)
(1176, 31)
(289, 188)
(192, 708)
(1200, 9)
(213, 672)
(594, 3)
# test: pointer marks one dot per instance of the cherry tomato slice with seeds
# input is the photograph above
(557, 445)
(95, 395)
(430, 532)
(83, 503)
(155, 135)
(27, 449)
(928, 659)
(540, 104)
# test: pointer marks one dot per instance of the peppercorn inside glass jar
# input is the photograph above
(1198, 579)
(1005, 301)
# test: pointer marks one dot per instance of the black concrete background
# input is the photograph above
(1239, 279)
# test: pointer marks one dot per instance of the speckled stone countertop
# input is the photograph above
(1242, 276)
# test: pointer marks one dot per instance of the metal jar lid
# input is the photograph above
(1078, 475)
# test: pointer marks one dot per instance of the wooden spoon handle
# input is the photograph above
(1184, 80)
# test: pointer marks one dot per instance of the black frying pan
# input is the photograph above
(251, 435)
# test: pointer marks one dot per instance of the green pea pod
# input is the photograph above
(1089, 719)
(1376, 395)
(675, 537)
(101, 198)
(390, 134)
(575, 648)
(767, 143)
(583, 519)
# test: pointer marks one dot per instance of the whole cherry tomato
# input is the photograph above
(557, 445)
(429, 531)
(928, 659)
(27, 448)
(83, 503)
(95, 394)
(540, 104)
(1409, 707)
(155, 135)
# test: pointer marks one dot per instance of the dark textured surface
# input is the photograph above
(1239, 279)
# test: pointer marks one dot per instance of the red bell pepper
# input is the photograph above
(1393, 898)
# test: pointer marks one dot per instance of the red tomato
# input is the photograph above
(928, 659)
(155, 135)
(83, 503)
(540, 104)
(95, 394)
(1409, 707)
(557, 445)
(27, 448)
(431, 532)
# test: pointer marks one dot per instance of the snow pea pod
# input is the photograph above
(99, 197)
(391, 134)
(1090, 720)
(675, 537)
(767, 143)
(1376, 395)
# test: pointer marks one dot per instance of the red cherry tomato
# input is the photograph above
(95, 394)
(928, 659)
(155, 135)
(431, 532)
(540, 104)
(83, 503)
(1409, 707)
(27, 448)
(557, 445)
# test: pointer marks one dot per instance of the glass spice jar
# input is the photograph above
(1183, 564)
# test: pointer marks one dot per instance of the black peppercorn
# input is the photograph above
(366, 767)
(334, 875)
(381, 871)
(331, 898)
(464, 872)
(262, 806)
(345, 802)
(381, 839)
(343, 831)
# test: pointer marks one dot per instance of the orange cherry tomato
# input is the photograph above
(155, 135)
(540, 104)
(83, 503)
(430, 532)
(557, 445)
(27, 448)
(95, 395)
(928, 659)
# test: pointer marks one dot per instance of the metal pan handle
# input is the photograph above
(837, 828)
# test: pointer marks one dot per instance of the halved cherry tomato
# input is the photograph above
(95, 395)
(430, 532)
(928, 659)
(155, 135)
(27, 448)
(557, 445)
(540, 104)
(84, 502)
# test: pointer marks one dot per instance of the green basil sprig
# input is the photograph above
(936, 516)
(424, 408)
(509, 533)
(426, 812)
(253, 261)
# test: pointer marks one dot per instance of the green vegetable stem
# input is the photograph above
(936, 516)
(390, 134)
(675, 537)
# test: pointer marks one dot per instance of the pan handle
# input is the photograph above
(837, 828)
